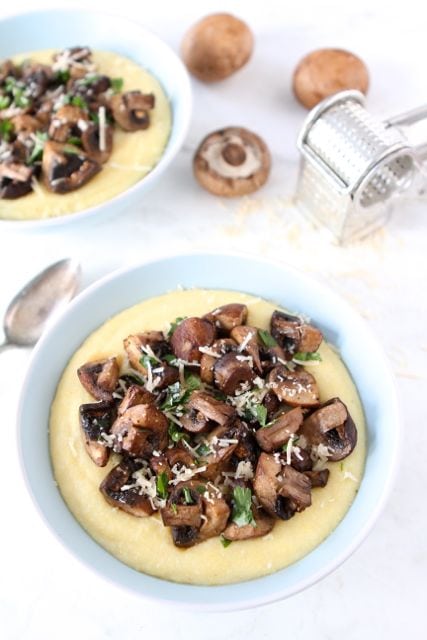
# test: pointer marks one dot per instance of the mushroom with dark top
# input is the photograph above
(189, 336)
(97, 141)
(135, 394)
(15, 179)
(271, 438)
(100, 378)
(128, 500)
(228, 316)
(231, 371)
(232, 162)
(140, 344)
(68, 121)
(295, 388)
(96, 419)
(140, 430)
(247, 339)
(203, 411)
(332, 426)
(217, 349)
(318, 478)
(293, 334)
(131, 109)
(263, 524)
(66, 167)
(183, 508)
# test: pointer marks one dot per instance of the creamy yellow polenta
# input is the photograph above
(144, 543)
(134, 153)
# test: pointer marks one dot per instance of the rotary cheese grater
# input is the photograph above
(353, 165)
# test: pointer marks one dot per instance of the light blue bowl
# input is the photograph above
(279, 283)
(63, 28)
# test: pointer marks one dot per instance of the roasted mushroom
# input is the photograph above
(210, 356)
(66, 167)
(183, 508)
(222, 442)
(232, 162)
(285, 425)
(135, 394)
(216, 513)
(24, 125)
(140, 430)
(138, 345)
(217, 46)
(247, 339)
(332, 426)
(114, 490)
(97, 141)
(100, 378)
(96, 419)
(318, 478)
(15, 179)
(263, 525)
(324, 72)
(293, 334)
(203, 411)
(189, 336)
(228, 316)
(231, 372)
(296, 388)
(131, 109)
(69, 121)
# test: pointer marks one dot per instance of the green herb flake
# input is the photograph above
(37, 152)
(307, 356)
(174, 508)
(77, 101)
(162, 485)
(148, 361)
(242, 507)
(6, 129)
(174, 325)
(187, 495)
(116, 84)
(201, 488)
(260, 413)
(75, 141)
(192, 382)
(62, 76)
(225, 543)
(341, 466)
(267, 339)
(90, 79)
(175, 433)
(94, 117)
(4, 102)
(203, 449)
(170, 359)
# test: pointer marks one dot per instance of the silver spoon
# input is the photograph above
(28, 312)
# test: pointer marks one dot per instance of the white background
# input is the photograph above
(381, 591)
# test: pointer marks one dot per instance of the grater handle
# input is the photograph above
(408, 118)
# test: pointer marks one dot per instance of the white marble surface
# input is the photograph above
(380, 592)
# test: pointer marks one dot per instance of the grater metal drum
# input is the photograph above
(353, 165)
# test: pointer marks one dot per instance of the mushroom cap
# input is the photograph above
(232, 162)
(217, 46)
(324, 72)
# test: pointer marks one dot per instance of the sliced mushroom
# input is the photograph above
(222, 443)
(231, 372)
(179, 457)
(318, 478)
(301, 459)
(189, 336)
(134, 395)
(140, 430)
(294, 492)
(184, 536)
(97, 146)
(275, 436)
(134, 344)
(100, 378)
(24, 125)
(232, 162)
(293, 334)
(131, 109)
(270, 357)
(96, 419)
(216, 512)
(266, 482)
(15, 180)
(247, 338)
(203, 411)
(296, 388)
(332, 426)
(183, 508)
(66, 167)
(207, 361)
(272, 403)
(66, 123)
(228, 316)
(128, 500)
(263, 525)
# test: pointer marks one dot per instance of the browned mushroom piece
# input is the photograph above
(293, 334)
(217, 46)
(324, 72)
(232, 162)
(140, 430)
(271, 356)
(15, 179)
(135, 394)
(332, 426)
(216, 513)
(228, 316)
(318, 478)
(66, 167)
(24, 125)
(96, 419)
(247, 338)
(37, 77)
(295, 388)
(222, 443)
(7, 68)
(281, 490)
(128, 500)
(301, 459)
(216, 350)
(134, 346)
(204, 412)
(178, 457)
(263, 525)
(285, 425)
(183, 507)
(100, 378)
(272, 403)
(189, 336)
(231, 372)
(131, 109)
(98, 143)
(68, 120)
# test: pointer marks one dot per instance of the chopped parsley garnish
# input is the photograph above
(260, 413)
(162, 485)
(6, 129)
(174, 508)
(148, 361)
(77, 101)
(134, 379)
(175, 433)
(306, 356)
(173, 397)
(75, 141)
(4, 102)
(242, 507)
(116, 84)
(174, 325)
(37, 152)
(192, 382)
(267, 338)
(12, 86)
(203, 449)
(90, 79)
(187, 495)
(62, 76)
(94, 117)
(201, 488)
(225, 543)
(170, 359)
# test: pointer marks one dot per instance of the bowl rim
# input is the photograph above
(170, 151)
(183, 599)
